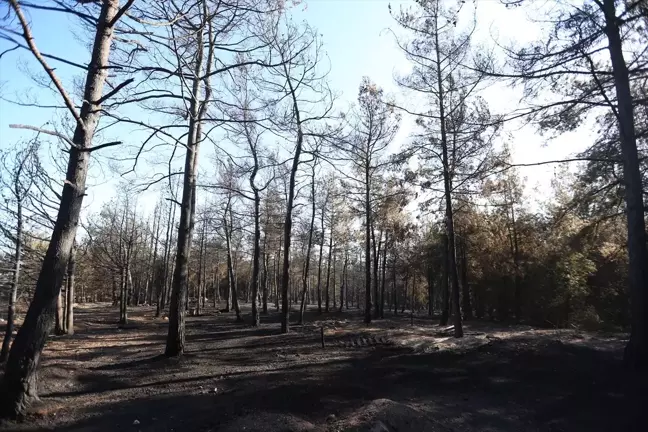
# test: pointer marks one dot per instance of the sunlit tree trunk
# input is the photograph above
(19, 385)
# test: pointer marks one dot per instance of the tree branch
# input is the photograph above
(45, 131)
(114, 91)
(29, 39)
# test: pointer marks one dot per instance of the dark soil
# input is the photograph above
(381, 378)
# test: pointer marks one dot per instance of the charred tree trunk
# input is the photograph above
(636, 352)
(179, 289)
(384, 280)
(334, 280)
(19, 385)
(167, 253)
(376, 261)
(430, 281)
(309, 246)
(367, 272)
(343, 285)
(69, 310)
(319, 269)
(264, 282)
(328, 274)
(394, 288)
(256, 255)
(201, 270)
(445, 295)
(231, 277)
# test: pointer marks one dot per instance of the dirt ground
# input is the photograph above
(392, 376)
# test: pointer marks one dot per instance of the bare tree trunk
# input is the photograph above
(328, 273)
(167, 253)
(256, 257)
(334, 281)
(69, 315)
(201, 269)
(123, 317)
(19, 386)
(445, 306)
(636, 352)
(115, 300)
(367, 311)
(155, 237)
(319, 269)
(394, 289)
(376, 261)
(176, 335)
(285, 313)
(11, 309)
(59, 320)
(384, 280)
(216, 277)
(343, 285)
(307, 254)
(230, 267)
(430, 281)
(264, 283)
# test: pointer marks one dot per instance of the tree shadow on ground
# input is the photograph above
(526, 383)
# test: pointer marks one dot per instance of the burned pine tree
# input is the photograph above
(18, 387)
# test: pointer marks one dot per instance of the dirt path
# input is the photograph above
(392, 376)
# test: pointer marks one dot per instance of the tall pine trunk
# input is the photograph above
(328, 274)
(384, 280)
(19, 385)
(367, 273)
(636, 352)
(445, 294)
(69, 310)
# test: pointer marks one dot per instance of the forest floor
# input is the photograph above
(394, 375)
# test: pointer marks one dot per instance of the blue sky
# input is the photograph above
(356, 41)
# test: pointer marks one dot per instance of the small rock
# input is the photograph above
(331, 418)
(136, 422)
(215, 390)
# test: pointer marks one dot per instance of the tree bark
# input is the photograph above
(59, 319)
(231, 277)
(636, 352)
(18, 387)
(69, 310)
(319, 268)
(308, 250)
(256, 256)
(447, 185)
(376, 261)
(384, 279)
(285, 313)
(264, 282)
(367, 311)
(201, 270)
(328, 274)
(445, 306)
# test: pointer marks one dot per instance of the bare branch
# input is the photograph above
(29, 39)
